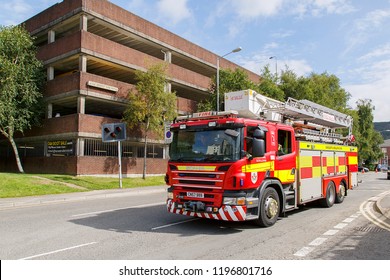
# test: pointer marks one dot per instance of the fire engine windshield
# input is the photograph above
(216, 145)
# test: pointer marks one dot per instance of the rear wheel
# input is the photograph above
(341, 194)
(269, 208)
(330, 197)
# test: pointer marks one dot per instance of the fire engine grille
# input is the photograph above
(208, 180)
(196, 182)
(198, 175)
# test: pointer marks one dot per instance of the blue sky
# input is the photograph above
(348, 38)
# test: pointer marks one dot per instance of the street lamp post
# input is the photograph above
(276, 66)
(218, 58)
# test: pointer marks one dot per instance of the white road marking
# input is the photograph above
(331, 232)
(174, 224)
(318, 241)
(325, 236)
(340, 225)
(304, 251)
(366, 208)
(57, 251)
(116, 209)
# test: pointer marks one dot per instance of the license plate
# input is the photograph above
(195, 194)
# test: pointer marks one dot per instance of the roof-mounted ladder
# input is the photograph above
(252, 104)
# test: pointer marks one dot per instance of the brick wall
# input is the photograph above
(85, 165)
(109, 165)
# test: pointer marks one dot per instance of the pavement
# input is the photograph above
(7, 203)
(382, 204)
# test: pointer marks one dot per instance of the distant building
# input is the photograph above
(91, 49)
(386, 152)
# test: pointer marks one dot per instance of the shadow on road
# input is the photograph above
(157, 219)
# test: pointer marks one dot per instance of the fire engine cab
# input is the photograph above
(258, 159)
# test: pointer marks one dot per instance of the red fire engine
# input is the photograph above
(258, 159)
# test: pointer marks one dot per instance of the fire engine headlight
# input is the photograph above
(234, 200)
(170, 195)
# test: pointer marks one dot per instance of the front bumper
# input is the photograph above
(225, 213)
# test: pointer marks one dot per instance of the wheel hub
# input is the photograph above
(342, 190)
(271, 207)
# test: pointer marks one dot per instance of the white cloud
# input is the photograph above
(378, 92)
(374, 84)
(333, 6)
(14, 12)
(135, 4)
(378, 52)
(366, 27)
(319, 7)
(372, 20)
(174, 11)
(257, 62)
(247, 9)
(283, 34)
(300, 67)
(17, 6)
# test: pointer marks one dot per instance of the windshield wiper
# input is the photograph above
(181, 159)
(213, 158)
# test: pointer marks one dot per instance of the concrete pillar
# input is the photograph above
(166, 152)
(84, 22)
(83, 63)
(51, 36)
(50, 73)
(45, 149)
(81, 105)
(80, 147)
(168, 87)
(167, 56)
(49, 110)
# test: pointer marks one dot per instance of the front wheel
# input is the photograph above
(269, 208)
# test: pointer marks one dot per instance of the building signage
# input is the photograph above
(102, 86)
(60, 147)
(168, 133)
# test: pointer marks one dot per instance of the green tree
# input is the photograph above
(326, 90)
(294, 86)
(322, 88)
(21, 80)
(229, 80)
(150, 104)
(369, 139)
(268, 85)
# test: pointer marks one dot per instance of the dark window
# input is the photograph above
(284, 142)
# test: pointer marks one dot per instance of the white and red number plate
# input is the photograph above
(195, 194)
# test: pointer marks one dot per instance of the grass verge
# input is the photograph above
(19, 185)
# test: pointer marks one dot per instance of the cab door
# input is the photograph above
(285, 158)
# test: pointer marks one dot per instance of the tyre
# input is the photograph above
(341, 194)
(330, 197)
(269, 208)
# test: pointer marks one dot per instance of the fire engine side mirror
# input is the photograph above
(258, 147)
(258, 134)
(258, 143)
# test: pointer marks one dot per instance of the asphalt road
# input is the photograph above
(139, 227)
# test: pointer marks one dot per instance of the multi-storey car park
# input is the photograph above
(91, 49)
